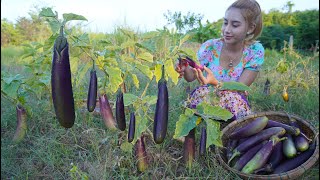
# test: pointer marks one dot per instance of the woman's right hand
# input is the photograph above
(181, 67)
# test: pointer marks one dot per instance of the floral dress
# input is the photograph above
(209, 55)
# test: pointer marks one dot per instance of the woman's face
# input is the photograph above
(234, 27)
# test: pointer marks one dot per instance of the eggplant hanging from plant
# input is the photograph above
(61, 86)
(189, 148)
(132, 126)
(21, 124)
(141, 154)
(203, 142)
(120, 114)
(162, 111)
(92, 93)
(106, 112)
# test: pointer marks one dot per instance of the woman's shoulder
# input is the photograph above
(212, 43)
(256, 46)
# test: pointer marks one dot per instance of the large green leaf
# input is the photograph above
(54, 25)
(150, 99)
(213, 133)
(236, 86)
(146, 56)
(115, 78)
(171, 72)
(135, 80)
(70, 16)
(129, 99)
(47, 12)
(145, 70)
(11, 89)
(158, 72)
(215, 112)
(141, 126)
(184, 125)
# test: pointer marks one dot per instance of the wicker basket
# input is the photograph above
(307, 128)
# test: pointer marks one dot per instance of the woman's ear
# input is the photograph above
(251, 28)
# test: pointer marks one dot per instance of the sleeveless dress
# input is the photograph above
(209, 55)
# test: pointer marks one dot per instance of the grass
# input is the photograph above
(88, 149)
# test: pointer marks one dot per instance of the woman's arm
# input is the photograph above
(247, 77)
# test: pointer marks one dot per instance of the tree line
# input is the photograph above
(278, 27)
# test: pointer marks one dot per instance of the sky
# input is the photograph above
(145, 15)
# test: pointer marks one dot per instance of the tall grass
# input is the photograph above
(88, 149)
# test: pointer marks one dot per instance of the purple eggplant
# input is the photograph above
(106, 112)
(290, 164)
(300, 141)
(120, 114)
(141, 154)
(289, 129)
(21, 128)
(262, 156)
(61, 86)
(274, 160)
(132, 126)
(92, 93)
(232, 143)
(191, 62)
(203, 142)
(253, 140)
(289, 149)
(250, 129)
(243, 160)
(162, 111)
(189, 148)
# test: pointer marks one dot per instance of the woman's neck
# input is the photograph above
(234, 47)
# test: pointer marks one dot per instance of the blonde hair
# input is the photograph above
(251, 11)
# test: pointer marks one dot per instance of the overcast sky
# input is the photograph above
(104, 15)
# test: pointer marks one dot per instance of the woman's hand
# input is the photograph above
(180, 67)
(210, 79)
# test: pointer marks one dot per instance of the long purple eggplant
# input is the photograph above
(251, 128)
(92, 93)
(203, 142)
(162, 111)
(132, 126)
(232, 143)
(106, 112)
(243, 160)
(262, 156)
(21, 128)
(296, 161)
(61, 87)
(253, 140)
(289, 129)
(189, 148)
(141, 154)
(120, 114)
(274, 160)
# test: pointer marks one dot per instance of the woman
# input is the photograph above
(234, 57)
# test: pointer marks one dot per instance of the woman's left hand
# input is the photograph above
(210, 79)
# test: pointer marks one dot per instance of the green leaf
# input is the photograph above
(150, 99)
(126, 147)
(189, 112)
(82, 72)
(115, 78)
(141, 126)
(236, 86)
(214, 133)
(184, 125)
(158, 72)
(170, 71)
(135, 80)
(129, 99)
(11, 89)
(146, 56)
(46, 12)
(215, 112)
(145, 70)
(82, 40)
(184, 39)
(54, 25)
(8, 80)
(70, 16)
